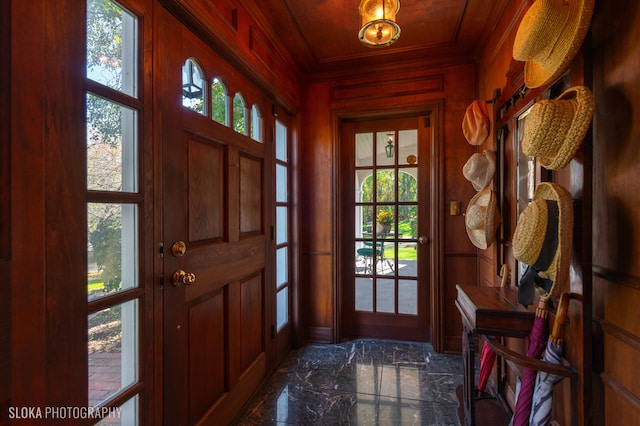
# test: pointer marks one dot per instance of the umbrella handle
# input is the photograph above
(525, 361)
(561, 316)
(504, 273)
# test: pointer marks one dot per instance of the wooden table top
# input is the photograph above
(494, 311)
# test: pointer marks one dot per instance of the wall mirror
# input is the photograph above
(525, 168)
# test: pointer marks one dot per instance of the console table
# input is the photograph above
(492, 311)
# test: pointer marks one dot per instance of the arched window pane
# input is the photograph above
(239, 114)
(192, 84)
(218, 102)
(256, 124)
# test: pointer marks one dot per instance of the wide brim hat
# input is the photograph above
(476, 123)
(555, 129)
(482, 218)
(549, 36)
(543, 241)
(480, 169)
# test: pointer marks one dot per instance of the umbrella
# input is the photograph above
(488, 357)
(541, 410)
(537, 342)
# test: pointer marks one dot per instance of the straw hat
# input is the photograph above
(476, 123)
(482, 218)
(554, 129)
(542, 240)
(549, 36)
(479, 169)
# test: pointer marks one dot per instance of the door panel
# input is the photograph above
(206, 190)
(386, 250)
(206, 353)
(212, 201)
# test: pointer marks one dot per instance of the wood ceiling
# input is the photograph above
(321, 35)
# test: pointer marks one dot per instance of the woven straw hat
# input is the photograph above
(554, 129)
(542, 240)
(549, 36)
(476, 123)
(482, 218)
(479, 169)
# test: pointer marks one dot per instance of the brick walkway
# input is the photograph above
(104, 376)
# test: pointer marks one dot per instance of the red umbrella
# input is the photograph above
(541, 411)
(488, 357)
(537, 343)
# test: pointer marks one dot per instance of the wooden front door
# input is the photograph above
(214, 245)
(386, 230)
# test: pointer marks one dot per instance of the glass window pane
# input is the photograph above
(408, 297)
(113, 248)
(281, 141)
(256, 124)
(385, 296)
(111, 46)
(283, 307)
(281, 224)
(385, 186)
(364, 222)
(408, 185)
(239, 114)
(112, 349)
(386, 256)
(125, 415)
(193, 86)
(282, 266)
(281, 183)
(218, 102)
(112, 141)
(364, 149)
(364, 185)
(408, 222)
(385, 148)
(364, 294)
(407, 146)
(385, 220)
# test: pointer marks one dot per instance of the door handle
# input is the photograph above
(422, 239)
(181, 277)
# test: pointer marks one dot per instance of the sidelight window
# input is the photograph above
(282, 218)
(115, 201)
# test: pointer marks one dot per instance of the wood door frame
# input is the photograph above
(433, 111)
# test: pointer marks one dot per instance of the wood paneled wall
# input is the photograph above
(5, 214)
(616, 218)
(48, 180)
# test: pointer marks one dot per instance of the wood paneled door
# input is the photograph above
(214, 244)
(385, 232)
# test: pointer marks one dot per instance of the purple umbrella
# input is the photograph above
(541, 411)
(537, 343)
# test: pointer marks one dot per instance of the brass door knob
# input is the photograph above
(181, 277)
(423, 240)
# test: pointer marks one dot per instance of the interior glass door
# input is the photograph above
(387, 291)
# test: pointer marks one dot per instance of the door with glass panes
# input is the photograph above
(385, 228)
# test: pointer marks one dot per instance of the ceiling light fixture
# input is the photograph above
(379, 26)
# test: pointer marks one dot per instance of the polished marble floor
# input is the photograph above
(360, 382)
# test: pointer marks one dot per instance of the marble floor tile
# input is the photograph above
(360, 382)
